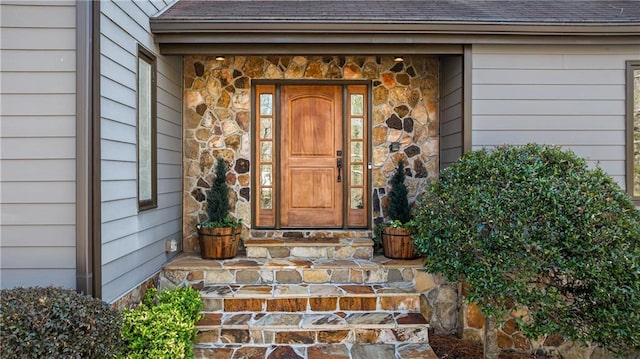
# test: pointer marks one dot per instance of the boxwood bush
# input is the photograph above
(53, 322)
(163, 325)
(534, 228)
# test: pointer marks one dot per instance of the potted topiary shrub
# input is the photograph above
(219, 235)
(396, 234)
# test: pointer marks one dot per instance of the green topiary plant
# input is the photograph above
(396, 233)
(398, 208)
(218, 236)
(534, 228)
(218, 201)
(163, 326)
(54, 322)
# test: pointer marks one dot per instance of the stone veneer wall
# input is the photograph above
(510, 338)
(135, 295)
(217, 115)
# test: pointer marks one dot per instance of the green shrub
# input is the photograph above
(533, 228)
(163, 326)
(56, 323)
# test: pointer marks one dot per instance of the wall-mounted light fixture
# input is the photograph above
(220, 58)
(398, 59)
(394, 147)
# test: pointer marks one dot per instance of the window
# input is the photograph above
(147, 171)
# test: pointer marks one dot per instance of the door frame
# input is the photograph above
(368, 149)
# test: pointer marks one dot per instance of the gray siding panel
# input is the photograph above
(53, 148)
(37, 143)
(32, 170)
(549, 107)
(572, 96)
(169, 128)
(114, 249)
(133, 242)
(547, 77)
(39, 236)
(41, 39)
(451, 103)
(118, 151)
(165, 156)
(53, 17)
(115, 112)
(23, 82)
(38, 277)
(25, 126)
(117, 170)
(48, 104)
(120, 228)
(565, 138)
(545, 92)
(37, 192)
(128, 281)
(47, 257)
(450, 155)
(117, 131)
(50, 60)
(35, 214)
(554, 122)
(114, 190)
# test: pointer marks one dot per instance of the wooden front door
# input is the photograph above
(311, 149)
(310, 156)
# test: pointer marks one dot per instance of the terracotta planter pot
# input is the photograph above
(218, 243)
(398, 244)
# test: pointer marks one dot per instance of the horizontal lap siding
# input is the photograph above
(451, 123)
(37, 144)
(573, 96)
(133, 243)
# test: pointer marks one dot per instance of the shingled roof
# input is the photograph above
(388, 26)
(405, 11)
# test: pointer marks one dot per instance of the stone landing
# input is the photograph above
(328, 244)
(308, 307)
(331, 351)
(189, 269)
(312, 247)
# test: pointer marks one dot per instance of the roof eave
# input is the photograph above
(283, 26)
(182, 37)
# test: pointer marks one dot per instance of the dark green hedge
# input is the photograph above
(533, 227)
(56, 323)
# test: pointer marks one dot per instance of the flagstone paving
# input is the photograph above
(189, 269)
(330, 248)
(329, 351)
(306, 307)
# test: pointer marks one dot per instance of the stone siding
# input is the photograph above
(217, 116)
(134, 297)
(510, 338)
(439, 301)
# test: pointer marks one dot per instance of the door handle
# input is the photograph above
(339, 165)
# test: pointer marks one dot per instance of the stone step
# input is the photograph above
(189, 269)
(376, 327)
(327, 351)
(310, 247)
(311, 298)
